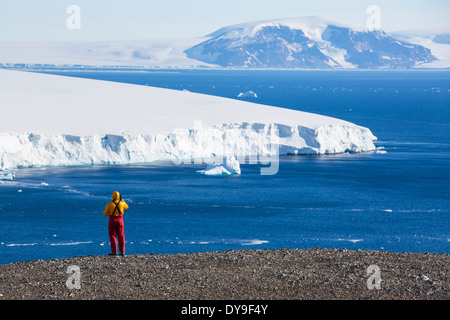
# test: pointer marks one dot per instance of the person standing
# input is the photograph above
(115, 210)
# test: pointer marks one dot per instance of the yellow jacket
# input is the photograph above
(121, 206)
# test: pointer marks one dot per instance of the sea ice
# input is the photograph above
(253, 242)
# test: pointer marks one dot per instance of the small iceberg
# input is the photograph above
(230, 166)
(248, 94)
(6, 175)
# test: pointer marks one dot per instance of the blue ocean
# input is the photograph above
(397, 199)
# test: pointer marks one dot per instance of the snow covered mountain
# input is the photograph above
(50, 120)
(310, 42)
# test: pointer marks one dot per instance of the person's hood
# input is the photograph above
(116, 195)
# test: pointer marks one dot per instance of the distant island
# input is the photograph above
(296, 43)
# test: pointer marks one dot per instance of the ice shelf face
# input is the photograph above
(31, 150)
(60, 121)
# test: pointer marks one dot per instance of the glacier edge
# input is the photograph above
(26, 149)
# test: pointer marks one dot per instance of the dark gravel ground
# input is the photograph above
(284, 274)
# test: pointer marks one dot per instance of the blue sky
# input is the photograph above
(45, 20)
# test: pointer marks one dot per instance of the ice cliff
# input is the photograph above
(60, 121)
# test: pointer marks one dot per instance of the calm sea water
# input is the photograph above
(394, 201)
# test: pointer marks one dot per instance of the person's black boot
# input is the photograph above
(112, 254)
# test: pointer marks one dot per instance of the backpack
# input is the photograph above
(117, 206)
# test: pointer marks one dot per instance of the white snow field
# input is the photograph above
(148, 53)
(50, 120)
(428, 38)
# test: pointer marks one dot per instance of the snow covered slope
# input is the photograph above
(437, 40)
(142, 53)
(309, 42)
(50, 120)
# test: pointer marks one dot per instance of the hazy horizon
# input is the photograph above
(47, 20)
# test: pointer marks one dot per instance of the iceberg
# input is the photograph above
(51, 120)
(247, 94)
(6, 175)
(229, 167)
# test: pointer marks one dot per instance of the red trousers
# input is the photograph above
(116, 230)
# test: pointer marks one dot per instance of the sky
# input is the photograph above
(96, 20)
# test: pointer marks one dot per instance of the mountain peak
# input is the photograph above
(312, 42)
(297, 23)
